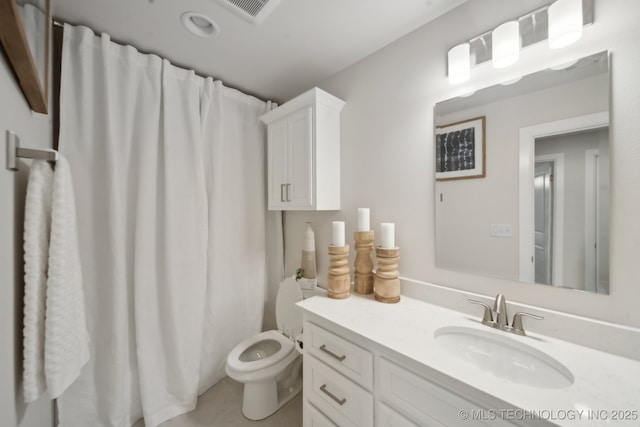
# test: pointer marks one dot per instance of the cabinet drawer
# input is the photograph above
(387, 417)
(425, 401)
(339, 398)
(344, 356)
(314, 418)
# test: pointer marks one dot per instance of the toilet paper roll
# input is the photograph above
(299, 344)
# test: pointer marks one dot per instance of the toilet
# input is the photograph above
(268, 363)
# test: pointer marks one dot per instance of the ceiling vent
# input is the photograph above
(254, 11)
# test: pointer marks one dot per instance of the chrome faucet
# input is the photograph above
(501, 318)
(500, 308)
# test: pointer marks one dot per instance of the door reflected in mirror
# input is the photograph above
(543, 221)
(541, 213)
(571, 209)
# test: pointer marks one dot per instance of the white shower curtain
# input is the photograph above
(169, 174)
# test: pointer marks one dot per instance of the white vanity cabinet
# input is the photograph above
(351, 382)
(383, 365)
(338, 378)
(303, 153)
(426, 402)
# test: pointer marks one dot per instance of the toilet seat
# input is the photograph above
(289, 324)
(286, 347)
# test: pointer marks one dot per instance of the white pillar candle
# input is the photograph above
(338, 233)
(363, 219)
(388, 235)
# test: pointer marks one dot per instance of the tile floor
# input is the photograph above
(220, 406)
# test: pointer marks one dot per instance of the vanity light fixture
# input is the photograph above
(565, 23)
(505, 49)
(199, 24)
(459, 63)
(560, 23)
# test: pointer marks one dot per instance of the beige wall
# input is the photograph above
(387, 149)
(34, 131)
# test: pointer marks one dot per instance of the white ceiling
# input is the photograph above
(301, 43)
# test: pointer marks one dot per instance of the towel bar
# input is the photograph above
(14, 151)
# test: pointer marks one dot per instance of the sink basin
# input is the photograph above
(497, 354)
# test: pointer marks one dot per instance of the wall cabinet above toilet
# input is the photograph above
(303, 153)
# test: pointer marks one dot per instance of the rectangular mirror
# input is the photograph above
(541, 212)
(24, 32)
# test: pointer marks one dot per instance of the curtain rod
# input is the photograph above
(56, 22)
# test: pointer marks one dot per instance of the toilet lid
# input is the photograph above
(288, 318)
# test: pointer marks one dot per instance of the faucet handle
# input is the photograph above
(516, 324)
(487, 318)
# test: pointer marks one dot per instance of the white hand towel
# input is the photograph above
(66, 336)
(37, 226)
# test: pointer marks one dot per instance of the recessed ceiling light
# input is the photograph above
(200, 24)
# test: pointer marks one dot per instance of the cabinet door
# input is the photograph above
(427, 402)
(344, 356)
(336, 396)
(314, 418)
(299, 192)
(278, 158)
(387, 417)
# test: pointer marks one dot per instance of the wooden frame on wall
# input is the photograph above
(33, 82)
(460, 150)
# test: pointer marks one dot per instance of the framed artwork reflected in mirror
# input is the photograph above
(460, 150)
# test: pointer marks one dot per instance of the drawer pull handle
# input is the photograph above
(323, 388)
(332, 354)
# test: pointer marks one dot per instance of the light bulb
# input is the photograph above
(565, 23)
(505, 41)
(459, 63)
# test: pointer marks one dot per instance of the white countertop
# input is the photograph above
(604, 386)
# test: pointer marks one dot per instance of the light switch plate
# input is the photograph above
(501, 230)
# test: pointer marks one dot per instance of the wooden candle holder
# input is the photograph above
(387, 281)
(363, 265)
(338, 280)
